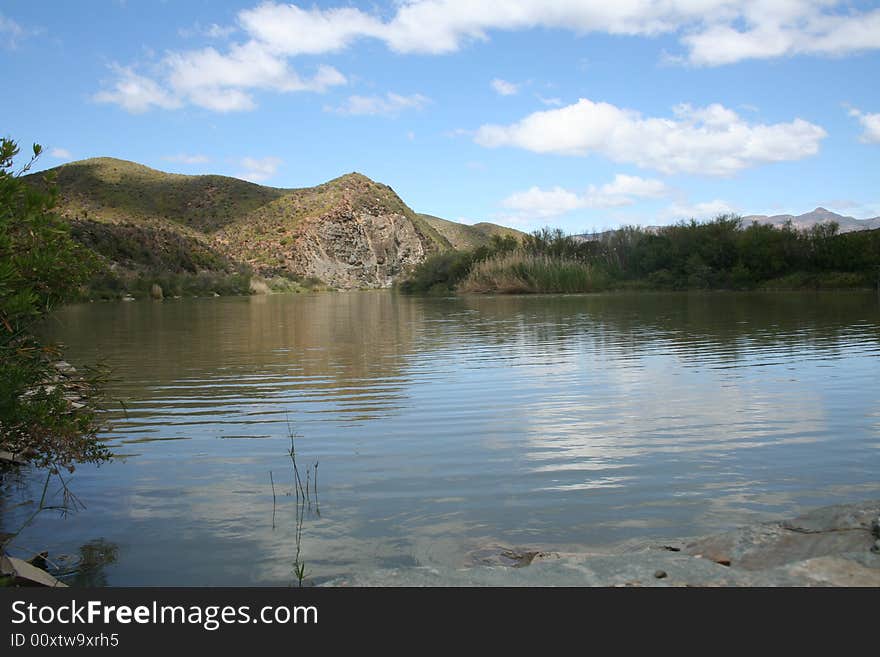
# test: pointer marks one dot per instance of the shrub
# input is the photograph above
(48, 410)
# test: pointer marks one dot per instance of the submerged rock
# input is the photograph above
(831, 546)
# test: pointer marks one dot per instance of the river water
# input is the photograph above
(449, 428)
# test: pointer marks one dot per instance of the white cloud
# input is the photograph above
(712, 31)
(504, 88)
(871, 125)
(710, 140)
(221, 82)
(258, 170)
(136, 93)
(390, 104)
(627, 186)
(784, 28)
(699, 211)
(185, 158)
(537, 203)
(289, 30)
(61, 153)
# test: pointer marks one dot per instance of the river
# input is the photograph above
(444, 429)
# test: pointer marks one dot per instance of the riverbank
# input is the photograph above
(830, 546)
(721, 255)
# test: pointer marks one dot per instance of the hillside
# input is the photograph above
(463, 237)
(111, 190)
(348, 232)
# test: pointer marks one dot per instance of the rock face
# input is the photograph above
(350, 232)
(831, 546)
(352, 247)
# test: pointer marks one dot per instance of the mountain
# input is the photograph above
(465, 237)
(817, 216)
(348, 232)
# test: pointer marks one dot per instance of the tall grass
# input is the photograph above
(521, 272)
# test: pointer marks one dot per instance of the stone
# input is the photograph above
(826, 547)
(348, 248)
(24, 574)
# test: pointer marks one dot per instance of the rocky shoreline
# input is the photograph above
(831, 546)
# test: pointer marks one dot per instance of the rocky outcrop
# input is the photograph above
(351, 232)
(832, 546)
(350, 248)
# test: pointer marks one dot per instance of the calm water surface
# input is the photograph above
(443, 426)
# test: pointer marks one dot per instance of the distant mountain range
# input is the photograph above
(800, 222)
(817, 216)
(348, 232)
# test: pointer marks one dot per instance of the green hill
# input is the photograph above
(148, 225)
(465, 237)
(107, 189)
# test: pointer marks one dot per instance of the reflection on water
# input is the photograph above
(444, 425)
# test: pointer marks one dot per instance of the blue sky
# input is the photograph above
(580, 114)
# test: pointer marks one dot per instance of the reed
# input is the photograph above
(521, 272)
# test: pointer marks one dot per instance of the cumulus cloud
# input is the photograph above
(258, 170)
(136, 93)
(709, 140)
(537, 203)
(186, 158)
(504, 88)
(222, 82)
(390, 104)
(61, 153)
(871, 125)
(713, 32)
(775, 29)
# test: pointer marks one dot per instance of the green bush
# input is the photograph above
(48, 411)
(443, 272)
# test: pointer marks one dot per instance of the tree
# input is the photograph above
(48, 411)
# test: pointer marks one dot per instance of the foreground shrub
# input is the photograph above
(48, 410)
